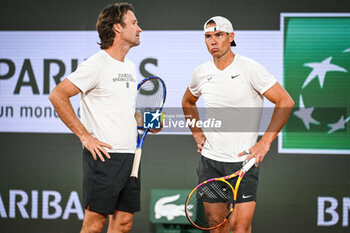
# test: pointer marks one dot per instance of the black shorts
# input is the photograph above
(107, 186)
(247, 190)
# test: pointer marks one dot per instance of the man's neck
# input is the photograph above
(118, 51)
(224, 61)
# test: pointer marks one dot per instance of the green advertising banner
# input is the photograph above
(168, 206)
(316, 75)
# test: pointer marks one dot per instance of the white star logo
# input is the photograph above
(155, 115)
(338, 125)
(305, 114)
(320, 69)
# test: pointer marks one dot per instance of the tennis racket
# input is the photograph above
(211, 203)
(151, 94)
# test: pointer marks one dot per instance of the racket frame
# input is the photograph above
(140, 139)
(240, 173)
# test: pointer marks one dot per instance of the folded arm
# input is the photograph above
(190, 110)
(59, 98)
(283, 107)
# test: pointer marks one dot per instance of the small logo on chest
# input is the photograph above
(210, 78)
(234, 76)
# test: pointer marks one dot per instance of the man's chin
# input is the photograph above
(136, 44)
(215, 53)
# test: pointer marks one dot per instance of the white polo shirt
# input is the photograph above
(240, 85)
(107, 104)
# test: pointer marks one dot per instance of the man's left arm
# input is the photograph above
(283, 107)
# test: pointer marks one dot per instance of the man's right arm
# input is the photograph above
(190, 110)
(59, 98)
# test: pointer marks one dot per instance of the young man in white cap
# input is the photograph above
(233, 81)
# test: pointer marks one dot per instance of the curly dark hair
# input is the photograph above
(110, 15)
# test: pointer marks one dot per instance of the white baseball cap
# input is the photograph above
(222, 24)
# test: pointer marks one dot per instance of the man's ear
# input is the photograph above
(231, 36)
(117, 27)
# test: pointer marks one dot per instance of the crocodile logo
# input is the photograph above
(164, 208)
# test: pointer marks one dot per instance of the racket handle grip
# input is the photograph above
(136, 164)
(249, 164)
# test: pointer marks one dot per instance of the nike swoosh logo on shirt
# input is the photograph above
(244, 196)
(234, 76)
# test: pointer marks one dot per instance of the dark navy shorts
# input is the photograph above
(107, 186)
(247, 191)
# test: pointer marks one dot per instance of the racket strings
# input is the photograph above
(150, 96)
(210, 204)
(221, 190)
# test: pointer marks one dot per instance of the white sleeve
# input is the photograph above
(260, 78)
(194, 85)
(85, 77)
